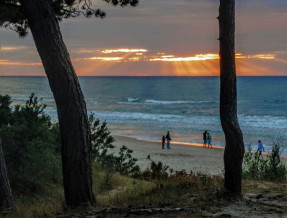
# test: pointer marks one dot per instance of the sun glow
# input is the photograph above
(144, 62)
(13, 63)
(257, 56)
(123, 50)
(107, 58)
(198, 57)
(10, 48)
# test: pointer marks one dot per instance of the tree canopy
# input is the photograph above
(12, 14)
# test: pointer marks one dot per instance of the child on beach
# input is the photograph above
(163, 141)
(260, 148)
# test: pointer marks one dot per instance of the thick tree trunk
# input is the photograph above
(71, 107)
(6, 198)
(234, 150)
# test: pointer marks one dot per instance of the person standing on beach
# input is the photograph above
(208, 139)
(163, 141)
(204, 138)
(168, 139)
(260, 148)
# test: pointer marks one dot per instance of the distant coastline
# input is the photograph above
(139, 76)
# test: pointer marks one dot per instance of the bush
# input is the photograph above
(103, 150)
(156, 171)
(30, 145)
(268, 168)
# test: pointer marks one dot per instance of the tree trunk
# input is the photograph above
(71, 107)
(234, 150)
(6, 198)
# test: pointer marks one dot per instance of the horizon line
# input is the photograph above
(144, 76)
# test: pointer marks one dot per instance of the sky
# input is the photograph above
(161, 38)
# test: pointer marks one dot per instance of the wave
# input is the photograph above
(279, 122)
(133, 99)
(245, 121)
(177, 102)
(24, 99)
(19, 99)
(158, 102)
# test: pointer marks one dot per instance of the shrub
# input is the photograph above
(103, 150)
(30, 145)
(156, 171)
(265, 168)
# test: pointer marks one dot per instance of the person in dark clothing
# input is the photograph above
(204, 138)
(168, 139)
(163, 141)
(208, 139)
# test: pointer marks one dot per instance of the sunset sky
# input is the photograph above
(161, 38)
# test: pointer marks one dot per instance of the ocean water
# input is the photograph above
(147, 107)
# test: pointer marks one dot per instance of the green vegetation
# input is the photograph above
(103, 150)
(265, 168)
(31, 146)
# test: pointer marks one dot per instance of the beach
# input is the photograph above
(190, 157)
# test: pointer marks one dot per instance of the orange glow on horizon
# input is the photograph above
(124, 50)
(142, 62)
(10, 48)
(198, 57)
(106, 58)
(257, 56)
(6, 62)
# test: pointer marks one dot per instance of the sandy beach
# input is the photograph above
(193, 157)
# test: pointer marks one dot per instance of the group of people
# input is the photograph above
(207, 139)
(168, 139)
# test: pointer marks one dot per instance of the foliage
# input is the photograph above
(156, 171)
(264, 168)
(30, 146)
(5, 110)
(12, 15)
(103, 150)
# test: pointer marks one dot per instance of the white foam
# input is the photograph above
(263, 121)
(176, 102)
(133, 99)
(19, 99)
(157, 102)
(24, 99)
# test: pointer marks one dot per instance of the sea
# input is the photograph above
(147, 107)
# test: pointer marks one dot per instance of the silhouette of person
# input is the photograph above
(168, 139)
(163, 141)
(260, 148)
(204, 138)
(208, 139)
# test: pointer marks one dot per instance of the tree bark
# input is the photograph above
(234, 150)
(71, 107)
(6, 198)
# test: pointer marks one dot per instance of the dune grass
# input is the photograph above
(193, 191)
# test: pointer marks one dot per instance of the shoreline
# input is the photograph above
(188, 156)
